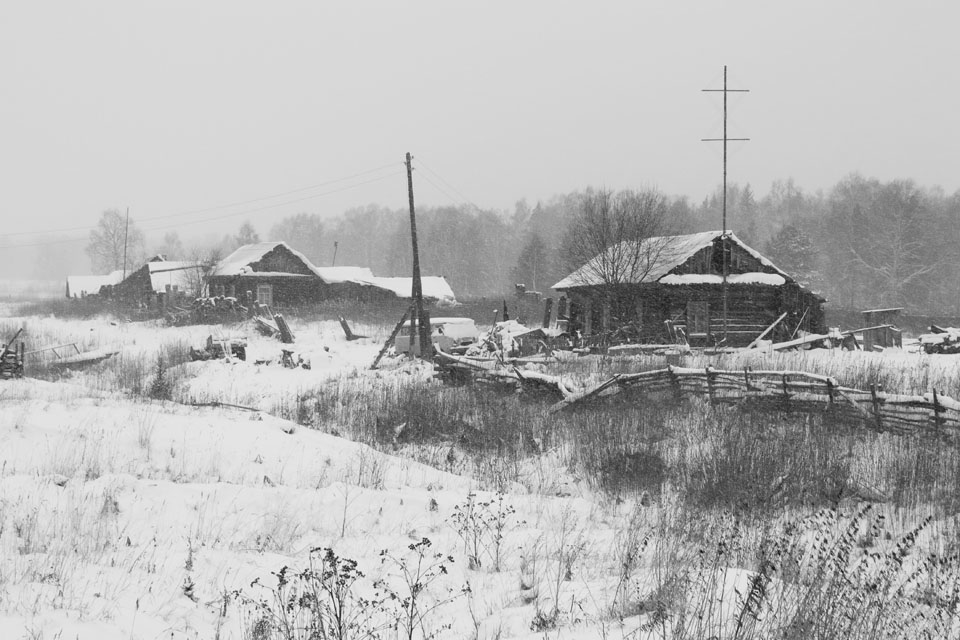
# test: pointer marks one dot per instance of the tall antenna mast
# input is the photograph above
(724, 232)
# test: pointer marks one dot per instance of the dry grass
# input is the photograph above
(773, 502)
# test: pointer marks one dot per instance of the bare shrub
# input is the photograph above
(482, 526)
(320, 602)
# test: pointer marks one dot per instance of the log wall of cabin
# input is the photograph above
(285, 290)
(281, 260)
(751, 308)
(135, 288)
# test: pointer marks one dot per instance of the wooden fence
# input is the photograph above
(931, 413)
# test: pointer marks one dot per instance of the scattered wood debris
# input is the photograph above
(11, 358)
(226, 347)
(265, 327)
(207, 310)
(286, 335)
(393, 336)
(943, 340)
(351, 336)
(85, 358)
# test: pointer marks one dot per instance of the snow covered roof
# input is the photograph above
(78, 286)
(179, 274)
(753, 277)
(435, 287)
(339, 275)
(238, 263)
(664, 253)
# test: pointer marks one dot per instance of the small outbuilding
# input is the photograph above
(83, 286)
(645, 291)
(159, 280)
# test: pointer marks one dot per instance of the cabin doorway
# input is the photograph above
(698, 319)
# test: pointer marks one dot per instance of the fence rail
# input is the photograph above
(791, 391)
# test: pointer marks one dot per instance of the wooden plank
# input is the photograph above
(286, 335)
(393, 336)
(584, 395)
(347, 331)
(813, 337)
(766, 331)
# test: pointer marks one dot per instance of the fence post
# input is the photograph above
(708, 370)
(675, 381)
(786, 389)
(876, 406)
(830, 390)
(937, 408)
(746, 379)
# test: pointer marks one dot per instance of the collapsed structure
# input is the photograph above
(644, 291)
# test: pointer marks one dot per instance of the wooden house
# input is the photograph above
(272, 272)
(639, 292)
(278, 275)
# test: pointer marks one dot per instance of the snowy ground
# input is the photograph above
(122, 518)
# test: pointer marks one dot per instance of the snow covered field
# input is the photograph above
(127, 518)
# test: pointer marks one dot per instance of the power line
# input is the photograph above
(273, 206)
(212, 218)
(221, 206)
(463, 198)
(442, 190)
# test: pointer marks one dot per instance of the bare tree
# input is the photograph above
(111, 240)
(616, 238)
(884, 238)
(205, 260)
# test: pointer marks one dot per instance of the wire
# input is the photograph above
(217, 207)
(277, 204)
(285, 193)
(212, 218)
(457, 202)
(455, 190)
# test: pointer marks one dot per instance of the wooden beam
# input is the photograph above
(766, 331)
(393, 336)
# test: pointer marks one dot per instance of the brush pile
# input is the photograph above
(941, 340)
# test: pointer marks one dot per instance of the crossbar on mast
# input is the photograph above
(725, 139)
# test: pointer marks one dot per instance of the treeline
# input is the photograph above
(863, 243)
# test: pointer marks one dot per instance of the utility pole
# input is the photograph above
(724, 233)
(419, 317)
(334, 263)
(126, 229)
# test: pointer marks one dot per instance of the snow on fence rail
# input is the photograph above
(933, 413)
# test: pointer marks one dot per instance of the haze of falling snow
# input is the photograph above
(182, 107)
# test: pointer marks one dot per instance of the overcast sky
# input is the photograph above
(172, 107)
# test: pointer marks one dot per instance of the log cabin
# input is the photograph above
(645, 291)
(275, 274)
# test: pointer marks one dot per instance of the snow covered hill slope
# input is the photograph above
(128, 519)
